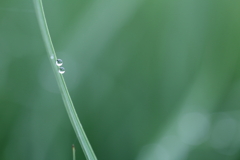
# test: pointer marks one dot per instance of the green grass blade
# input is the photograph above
(87, 149)
(73, 148)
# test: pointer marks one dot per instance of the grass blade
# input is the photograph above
(87, 149)
(73, 148)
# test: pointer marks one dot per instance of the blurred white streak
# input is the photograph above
(156, 151)
(225, 135)
(193, 128)
(170, 148)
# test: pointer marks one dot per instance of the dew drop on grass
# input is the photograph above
(59, 62)
(61, 70)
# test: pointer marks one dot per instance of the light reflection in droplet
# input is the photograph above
(61, 70)
(59, 62)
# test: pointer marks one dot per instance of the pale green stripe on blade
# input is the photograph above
(74, 155)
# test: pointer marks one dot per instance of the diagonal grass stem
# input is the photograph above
(87, 149)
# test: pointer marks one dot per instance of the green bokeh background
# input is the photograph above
(150, 79)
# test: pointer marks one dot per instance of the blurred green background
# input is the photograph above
(150, 79)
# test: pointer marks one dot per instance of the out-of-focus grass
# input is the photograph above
(160, 78)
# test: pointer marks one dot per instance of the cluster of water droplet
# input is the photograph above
(59, 63)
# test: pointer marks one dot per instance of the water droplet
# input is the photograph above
(59, 62)
(61, 70)
(51, 57)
